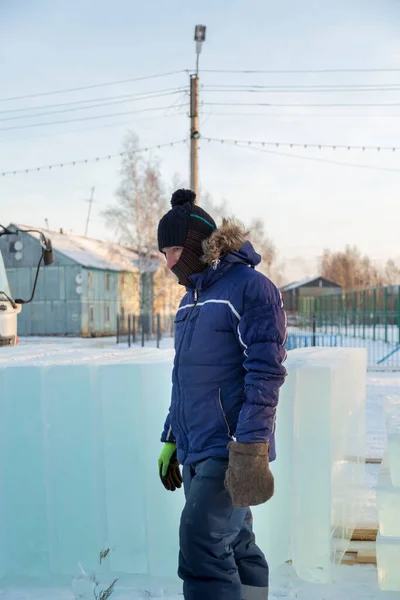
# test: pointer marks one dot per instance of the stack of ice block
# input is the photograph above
(79, 442)
(319, 469)
(388, 501)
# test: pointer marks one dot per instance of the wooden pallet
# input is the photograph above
(363, 556)
(361, 550)
(361, 533)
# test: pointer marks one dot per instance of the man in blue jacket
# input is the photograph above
(229, 350)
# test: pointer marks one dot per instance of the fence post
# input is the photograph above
(374, 316)
(129, 331)
(355, 313)
(385, 308)
(142, 322)
(398, 314)
(117, 329)
(314, 330)
(134, 329)
(158, 331)
(363, 312)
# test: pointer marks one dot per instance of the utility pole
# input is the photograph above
(194, 133)
(89, 211)
(199, 37)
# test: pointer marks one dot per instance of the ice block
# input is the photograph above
(79, 443)
(388, 561)
(319, 470)
(388, 500)
(391, 408)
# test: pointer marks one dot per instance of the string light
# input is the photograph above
(302, 145)
(310, 158)
(85, 161)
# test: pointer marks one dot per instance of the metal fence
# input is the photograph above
(132, 329)
(364, 319)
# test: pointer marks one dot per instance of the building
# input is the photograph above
(309, 288)
(81, 293)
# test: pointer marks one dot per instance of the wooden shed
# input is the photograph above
(310, 288)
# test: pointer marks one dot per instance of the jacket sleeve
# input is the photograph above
(261, 333)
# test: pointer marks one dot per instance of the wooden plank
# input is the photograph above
(366, 557)
(365, 534)
(363, 557)
(361, 533)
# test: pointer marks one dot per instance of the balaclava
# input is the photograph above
(185, 225)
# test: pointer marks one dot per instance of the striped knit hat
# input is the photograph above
(185, 225)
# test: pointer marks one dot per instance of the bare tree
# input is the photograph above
(140, 198)
(392, 272)
(350, 269)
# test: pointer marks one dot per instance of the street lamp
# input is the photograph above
(199, 38)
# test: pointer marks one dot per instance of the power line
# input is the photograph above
(91, 160)
(310, 105)
(302, 115)
(302, 145)
(290, 87)
(87, 101)
(99, 105)
(83, 129)
(294, 90)
(299, 71)
(119, 114)
(312, 158)
(92, 86)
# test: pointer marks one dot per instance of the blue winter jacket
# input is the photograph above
(229, 349)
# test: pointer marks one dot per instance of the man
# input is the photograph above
(229, 338)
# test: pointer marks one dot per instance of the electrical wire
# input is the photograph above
(300, 71)
(303, 115)
(91, 160)
(119, 114)
(94, 85)
(315, 159)
(101, 104)
(278, 90)
(309, 105)
(88, 100)
(83, 129)
(312, 87)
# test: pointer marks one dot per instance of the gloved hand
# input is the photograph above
(248, 477)
(170, 473)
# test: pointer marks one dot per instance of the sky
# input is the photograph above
(350, 50)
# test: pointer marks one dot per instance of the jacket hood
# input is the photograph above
(229, 242)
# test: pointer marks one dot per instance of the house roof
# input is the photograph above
(298, 284)
(88, 252)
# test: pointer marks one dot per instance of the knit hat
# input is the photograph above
(185, 225)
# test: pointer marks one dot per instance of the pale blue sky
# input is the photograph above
(49, 45)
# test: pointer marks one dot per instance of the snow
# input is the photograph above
(349, 583)
(88, 252)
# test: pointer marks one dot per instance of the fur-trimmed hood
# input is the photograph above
(230, 239)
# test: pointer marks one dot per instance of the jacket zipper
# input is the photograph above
(192, 325)
(178, 352)
(223, 413)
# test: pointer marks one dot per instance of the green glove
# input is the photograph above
(168, 467)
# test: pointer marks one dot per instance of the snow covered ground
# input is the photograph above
(350, 583)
